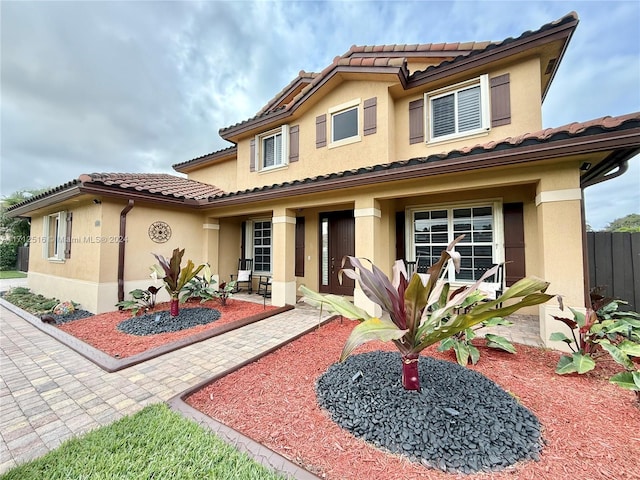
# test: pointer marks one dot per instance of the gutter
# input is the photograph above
(121, 245)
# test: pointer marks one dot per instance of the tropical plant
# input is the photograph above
(175, 278)
(140, 300)
(417, 314)
(461, 342)
(602, 329)
(200, 286)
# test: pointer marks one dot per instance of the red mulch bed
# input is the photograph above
(100, 331)
(591, 427)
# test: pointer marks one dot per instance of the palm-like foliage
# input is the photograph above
(175, 278)
(419, 312)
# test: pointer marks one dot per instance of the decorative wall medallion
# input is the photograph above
(160, 232)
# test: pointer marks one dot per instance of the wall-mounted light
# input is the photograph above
(585, 166)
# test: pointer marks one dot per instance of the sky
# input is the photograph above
(137, 86)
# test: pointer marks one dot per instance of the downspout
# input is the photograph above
(121, 245)
(585, 255)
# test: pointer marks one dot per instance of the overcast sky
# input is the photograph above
(134, 86)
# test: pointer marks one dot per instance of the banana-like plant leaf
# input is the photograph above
(495, 321)
(462, 353)
(335, 303)
(627, 380)
(446, 344)
(579, 316)
(560, 337)
(583, 363)
(617, 354)
(630, 348)
(496, 341)
(474, 353)
(565, 365)
(371, 329)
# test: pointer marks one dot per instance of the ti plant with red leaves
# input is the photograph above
(417, 314)
(603, 328)
(174, 276)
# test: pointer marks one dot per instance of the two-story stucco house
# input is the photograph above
(389, 152)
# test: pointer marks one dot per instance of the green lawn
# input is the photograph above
(155, 443)
(4, 274)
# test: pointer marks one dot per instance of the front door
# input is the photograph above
(337, 239)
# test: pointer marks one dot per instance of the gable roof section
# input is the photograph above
(619, 134)
(152, 187)
(392, 59)
(207, 159)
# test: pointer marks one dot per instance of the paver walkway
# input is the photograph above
(49, 393)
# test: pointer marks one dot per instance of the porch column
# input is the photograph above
(560, 257)
(367, 215)
(211, 229)
(283, 288)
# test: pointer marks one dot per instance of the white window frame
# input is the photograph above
(343, 108)
(280, 162)
(250, 246)
(59, 238)
(485, 109)
(497, 244)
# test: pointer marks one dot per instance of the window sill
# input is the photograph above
(55, 260)
(344, 141)
(454, 138)
(273, 169)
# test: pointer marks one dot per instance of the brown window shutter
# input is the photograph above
(252, 155)
(416, 121)
(294, 143)
(500, 101)
(67, 240)
(370, 113)
(514, 251)
(299, 247)
(321, 131)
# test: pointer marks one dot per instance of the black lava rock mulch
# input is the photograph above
(70, 317)
(460, 421)
(163, 322)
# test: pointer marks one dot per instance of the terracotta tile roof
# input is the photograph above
(155, 183)
(573, 131)
(391, 57)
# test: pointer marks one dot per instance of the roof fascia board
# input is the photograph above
(268, 119)
(47, 201)
(625, 139)
(227, 154)
(125, 194)
(500, 52)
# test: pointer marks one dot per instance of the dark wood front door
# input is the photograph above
(337, 239)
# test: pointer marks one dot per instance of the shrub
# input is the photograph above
(8, 255)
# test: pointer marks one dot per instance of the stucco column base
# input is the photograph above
(549, 325)
(283, 293)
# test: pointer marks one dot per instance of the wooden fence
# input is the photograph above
(23, 259)
(614, 262)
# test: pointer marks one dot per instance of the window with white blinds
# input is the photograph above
(459, 110)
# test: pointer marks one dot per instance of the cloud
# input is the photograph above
(139, 86)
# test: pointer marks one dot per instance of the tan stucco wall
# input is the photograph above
(223, 175)
(391, 140)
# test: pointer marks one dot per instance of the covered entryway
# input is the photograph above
(337, 239)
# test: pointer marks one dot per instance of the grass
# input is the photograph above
(154, 443)
(5, 274)
(33, 303)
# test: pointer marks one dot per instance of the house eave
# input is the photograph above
(264, 122)
(45, 202)
(623, 140)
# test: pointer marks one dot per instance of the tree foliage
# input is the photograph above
(15, 230)
(629, 223)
